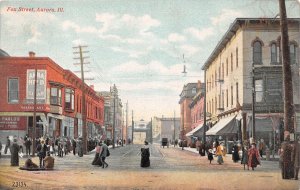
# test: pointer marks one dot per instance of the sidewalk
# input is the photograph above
(194, 150)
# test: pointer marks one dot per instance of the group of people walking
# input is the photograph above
(250, 156)
(101, 153)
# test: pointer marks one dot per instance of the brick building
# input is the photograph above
(58, 99)
(197, 113)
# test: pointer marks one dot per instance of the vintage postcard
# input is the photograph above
(150, 94)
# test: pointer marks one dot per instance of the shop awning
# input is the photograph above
(56, 116)
(224, 126)
(195, 130)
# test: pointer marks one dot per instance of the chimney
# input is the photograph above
(31, 54)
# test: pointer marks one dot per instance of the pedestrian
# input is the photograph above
(97, 158)
(261, 147)
(41, 150)
(14, 157)
(80, 147)
(201, 149)
(103, 154)
(286, 159)
(145, 155)
(28, 144)
(0, 148)
(7, 145)
(219, 153)
(223, 148)
(235, 153)
(210, 155)
(253, 156)
(49, 161)
(74, 146)
(244, 159)
(296, 157)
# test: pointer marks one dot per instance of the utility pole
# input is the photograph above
(126, 122)
(122, 138)
(114, 119)
(34, 113)
(174, 129)
(253, 104)
(132, 127)
(288, 91)
(151, 139)
(84, 126)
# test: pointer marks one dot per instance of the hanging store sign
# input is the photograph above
(40, 84)
(12, 123)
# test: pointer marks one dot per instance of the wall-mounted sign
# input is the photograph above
(40, 85)
(12, 123)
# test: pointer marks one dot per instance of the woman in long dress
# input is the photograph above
(145, 155)
(219, 153)
(253, 156)
(14, 158)
(97, 159)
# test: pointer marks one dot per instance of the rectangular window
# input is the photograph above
(237, 57)
(223, 100)
(55, 96)
(222, 70)
(259, 90)
(231, 62)
(226, 66)
(273, 53)
(13, 90)
(69, 99)
(226, 97)
(237, 92)
(231, 95)
(292, 53)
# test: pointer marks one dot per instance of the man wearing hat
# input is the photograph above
(14, 158)
(41, 150)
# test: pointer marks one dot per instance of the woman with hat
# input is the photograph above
(145, 153)
(253, 156)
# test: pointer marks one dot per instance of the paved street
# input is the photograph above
(171, 168)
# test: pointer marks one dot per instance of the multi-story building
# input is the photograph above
(186, 97)
(197, 113)
(164, 128)
(248, 59)
(58, 99)
(113, 109)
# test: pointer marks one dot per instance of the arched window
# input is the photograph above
(274, 53)
(293, 48)
(257, 52)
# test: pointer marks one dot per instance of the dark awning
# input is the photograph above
(224, 126)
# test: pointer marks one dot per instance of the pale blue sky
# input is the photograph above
(135, 44)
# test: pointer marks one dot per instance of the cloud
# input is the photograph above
(175, 37)
(225, 16)
(199, 34)
(27, 25)
(35, 35)
(66, 25)
(189, 50)
(78, 42)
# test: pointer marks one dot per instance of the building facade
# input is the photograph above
(246, 65)
(186, 97)
(58, 99)
(197, 113)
